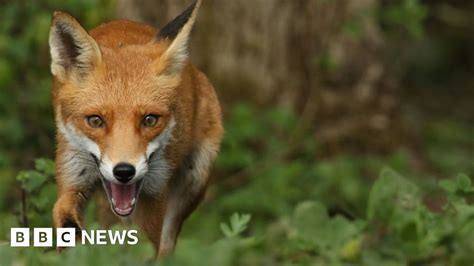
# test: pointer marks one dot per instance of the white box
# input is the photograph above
(43, 237)
(66, 237)
(19, 237)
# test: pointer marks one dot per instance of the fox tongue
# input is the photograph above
(123, 195)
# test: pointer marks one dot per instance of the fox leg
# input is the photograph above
(178, 208)
(68, 209)
(187, 189)
(149, 217)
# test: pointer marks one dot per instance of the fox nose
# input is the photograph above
(124, 172)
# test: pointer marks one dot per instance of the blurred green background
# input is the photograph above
(349, 131)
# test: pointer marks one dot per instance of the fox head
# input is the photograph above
(114, 96)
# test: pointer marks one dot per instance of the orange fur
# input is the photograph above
(126, 79)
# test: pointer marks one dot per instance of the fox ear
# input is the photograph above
(177, 32)
(74, 53)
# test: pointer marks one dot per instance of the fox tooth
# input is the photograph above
(133, 201)
(113, 201)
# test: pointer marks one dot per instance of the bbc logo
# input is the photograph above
(42, 237)
(66, 237)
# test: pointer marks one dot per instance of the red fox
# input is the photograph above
(134, 116)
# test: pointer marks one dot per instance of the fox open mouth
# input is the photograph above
(122, 198)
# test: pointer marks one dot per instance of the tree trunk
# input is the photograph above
(323, 59)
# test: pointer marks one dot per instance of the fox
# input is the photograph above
(136, 123)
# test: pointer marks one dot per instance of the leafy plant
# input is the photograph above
(38, 194)
(398, 228)
(238, 224)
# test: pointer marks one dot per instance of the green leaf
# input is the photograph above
(448, 185)
(352, 248)
(31, 180)
(226, 230)
(315, 230)
(309, 218)
(238, 224)
(463, 183)
(390, 192)
(45, 166)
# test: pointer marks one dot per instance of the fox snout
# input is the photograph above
(122, 183)
(123, 171)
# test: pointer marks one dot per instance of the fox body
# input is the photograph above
(135, 117)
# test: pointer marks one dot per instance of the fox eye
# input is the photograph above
(95, 121)
(150, 120)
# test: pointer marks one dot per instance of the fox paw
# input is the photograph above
(70, 223)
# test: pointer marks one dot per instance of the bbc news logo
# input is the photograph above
(66, 237)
